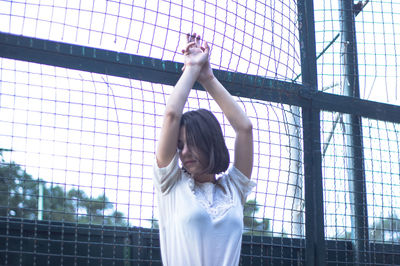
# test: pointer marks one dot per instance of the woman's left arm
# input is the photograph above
(243, 159)
(237, 117)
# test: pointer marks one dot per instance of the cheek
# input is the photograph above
(203, 159)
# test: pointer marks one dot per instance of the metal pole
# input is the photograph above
(40, 201)
(353, 132)
(295, 185)
(360, 6)
(313, 193)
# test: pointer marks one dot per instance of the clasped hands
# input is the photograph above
(198, 56)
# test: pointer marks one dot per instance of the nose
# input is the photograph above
(185, 150)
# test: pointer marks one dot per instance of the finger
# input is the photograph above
(198, 41)
(187, 37)
(188, 46)
(193, 37)
(206, 47)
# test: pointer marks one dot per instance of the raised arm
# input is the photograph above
(243, 159)
(195, 57)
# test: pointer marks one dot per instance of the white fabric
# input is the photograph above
(200, 223)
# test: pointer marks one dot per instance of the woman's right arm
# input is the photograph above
(168, 141)
(195, 57)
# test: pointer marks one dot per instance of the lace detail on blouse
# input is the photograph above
(216, 199)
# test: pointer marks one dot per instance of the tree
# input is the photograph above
(154, 223)
(17, 191)
(386, 229)
(253, 225)
(19, 194)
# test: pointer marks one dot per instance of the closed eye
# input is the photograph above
(180, 146)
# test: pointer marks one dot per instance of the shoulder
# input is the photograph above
(165, 178)
(236, 179)
(235, 175)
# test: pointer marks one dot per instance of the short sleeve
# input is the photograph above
(243, 184)
(165, 178)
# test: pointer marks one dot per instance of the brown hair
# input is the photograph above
(204, 132)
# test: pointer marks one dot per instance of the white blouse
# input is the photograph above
(200, 223)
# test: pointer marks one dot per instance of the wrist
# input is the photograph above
(206, 81)
(191, 70)
(194, 67)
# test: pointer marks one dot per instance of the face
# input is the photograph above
(192, 160)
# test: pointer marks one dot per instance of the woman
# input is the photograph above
(200, 214)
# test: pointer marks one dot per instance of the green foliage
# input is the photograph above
(19, 197)
(253, 225)
(154, 223)
(386, 229)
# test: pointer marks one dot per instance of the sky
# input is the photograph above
(97, 132)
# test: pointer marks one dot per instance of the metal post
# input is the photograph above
(353, 132)
(40, 201)
(295, 185)
(314, 213)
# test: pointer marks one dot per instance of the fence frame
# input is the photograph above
(305, 95)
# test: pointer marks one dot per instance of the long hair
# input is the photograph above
(204, 133)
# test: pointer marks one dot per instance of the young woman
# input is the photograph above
(201, 203)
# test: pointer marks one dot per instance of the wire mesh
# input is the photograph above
(381, 168)
(255, 37)
(77, 148)
(358, 57)
(376, 27)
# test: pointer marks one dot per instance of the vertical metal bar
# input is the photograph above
(315, 238)
(40, 201)
(295, 185)
(353, 131)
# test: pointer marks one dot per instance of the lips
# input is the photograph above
(189, 162)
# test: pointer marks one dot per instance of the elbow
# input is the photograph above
(172, 115)
(246, 127)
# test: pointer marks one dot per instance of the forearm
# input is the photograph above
(178, 98)
(236, 116)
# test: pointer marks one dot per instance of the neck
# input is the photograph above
(205, 178)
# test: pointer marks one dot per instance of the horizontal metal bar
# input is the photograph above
(135, 67)
(350, 105)
(167, 72)
(87, 59)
